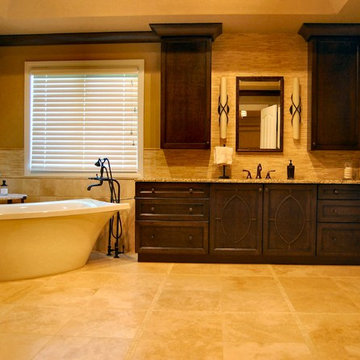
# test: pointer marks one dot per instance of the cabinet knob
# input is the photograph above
(334, 211)
(152, 209)
(314, 143)
(266, 190)
(190, 210)
(153, 236)
(190, 237)
(336, 191)
(334, 239)
(260, 189)
(191, 190)
(152, 190)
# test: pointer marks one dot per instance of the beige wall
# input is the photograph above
(254, 55)
(233, 55)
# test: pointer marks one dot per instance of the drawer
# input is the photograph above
(172, 237)
(338, 239)
(339, 211)
(172, 190)
(351, 192)
(172, 209)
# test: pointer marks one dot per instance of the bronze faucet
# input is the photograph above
(258, 171)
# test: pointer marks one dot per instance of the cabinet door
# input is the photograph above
(289, 219)
(236, 219)
(335, 93)
(185, 93)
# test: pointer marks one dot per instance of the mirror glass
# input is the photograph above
(259, 113)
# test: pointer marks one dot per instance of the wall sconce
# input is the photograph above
(223, 109)
(295, 109)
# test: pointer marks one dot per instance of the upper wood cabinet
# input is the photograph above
(186, 84)
(334, 96)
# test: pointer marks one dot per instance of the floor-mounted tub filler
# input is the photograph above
(38, 239)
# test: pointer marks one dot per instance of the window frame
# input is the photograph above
(41, 66)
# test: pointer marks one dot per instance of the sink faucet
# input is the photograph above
(258, 171)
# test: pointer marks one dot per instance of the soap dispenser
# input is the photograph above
(4, 188)
(291, 171)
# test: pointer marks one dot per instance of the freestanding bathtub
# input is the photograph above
(38, 239)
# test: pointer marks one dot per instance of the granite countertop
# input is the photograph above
(13, 197)
(252, 181)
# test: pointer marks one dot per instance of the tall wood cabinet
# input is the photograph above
(334, 93)
(186, 84)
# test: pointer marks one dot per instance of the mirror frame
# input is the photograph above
(238, 94)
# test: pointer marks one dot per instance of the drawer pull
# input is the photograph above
(190, 210)
(190, 190)
(152, 209)
(153, 190)
(336, 191)
(190, 237)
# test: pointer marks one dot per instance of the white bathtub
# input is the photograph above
(38, 239)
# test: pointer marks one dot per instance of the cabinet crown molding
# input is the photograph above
(310, 30)
(212, 30)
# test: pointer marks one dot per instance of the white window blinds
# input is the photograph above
(77, 115)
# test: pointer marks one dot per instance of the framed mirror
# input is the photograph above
(259, 114)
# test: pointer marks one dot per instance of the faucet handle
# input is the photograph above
(268, 174)
(248, 174)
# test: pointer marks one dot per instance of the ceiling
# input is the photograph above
(261, 16)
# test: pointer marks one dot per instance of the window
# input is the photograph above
(79, 111)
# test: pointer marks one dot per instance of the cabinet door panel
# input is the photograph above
(185, 93)
(289, 219)
(335, 94)
(236, 219)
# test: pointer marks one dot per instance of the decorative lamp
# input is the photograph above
(295, 109)
(223, 109)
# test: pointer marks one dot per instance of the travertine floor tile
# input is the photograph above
(187, 326)
(21, 346)
(188, 300)
(351, 287)
(252, 294)
(12, 291)
(150, 349)
(42, 320)
(193, 282)
(84, 348)
(104, 323)
(58, 296)
(258, 327)
(317, 295)
(316, 270)
(335, 336)
(273, 351)
(196, 269)
(122, 298)
(245, 270)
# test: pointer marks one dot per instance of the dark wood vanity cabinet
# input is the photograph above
(289, 220)
(248, 223)
(338, 232)
(236, 219)
(172, 218)
(334, 94)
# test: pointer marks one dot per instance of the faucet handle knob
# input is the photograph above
(268, 174)
(248, 174)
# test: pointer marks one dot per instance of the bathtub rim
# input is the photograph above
(58, 208)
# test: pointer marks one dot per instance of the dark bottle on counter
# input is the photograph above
(291, 171)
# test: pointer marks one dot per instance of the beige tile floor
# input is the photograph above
(121, 309)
